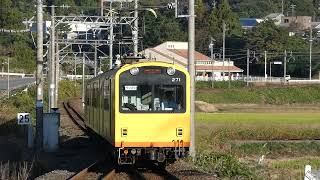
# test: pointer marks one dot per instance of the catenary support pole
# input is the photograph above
(248, 64)
(39, 77)
(191, 67)
(95, 59)
(83, 74)
(310, 60)
(52, 63)
(8, 77)
(136, 27)
(111, 39)
(57, 78)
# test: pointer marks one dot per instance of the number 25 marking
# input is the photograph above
(176, 80)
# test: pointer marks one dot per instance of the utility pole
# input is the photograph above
(285, 66)
(248, 59)
(224, 49)
(310, 63)
(292, 9)
(229, 83)
(191, 67)
(136, 26)
(282, 7)
(39, 77)
(8, 78)
(265, 66)
(111, 39)
(212, 60)
(52, 63)
(270, 71)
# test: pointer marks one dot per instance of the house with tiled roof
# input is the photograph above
(206, 69)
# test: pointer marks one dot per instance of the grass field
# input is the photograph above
(260, 126)
(248, 136)
(261, 95)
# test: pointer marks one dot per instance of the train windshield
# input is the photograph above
(153, 98)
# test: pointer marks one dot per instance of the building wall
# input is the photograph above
(297, 23)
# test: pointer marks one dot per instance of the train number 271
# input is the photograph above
(176, 79)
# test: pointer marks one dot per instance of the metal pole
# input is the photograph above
(111, 39)
(270, 72)
(75, 70)
(265, 66)
(248, 56)
(191, 67)
(95, 59)
(101, 6)
(136, 27)
(310, 63)
(39, 77)
(57, 78)
(282, 7)
(229, 84)
(285, 66)
(224, 49)
(212, 60)
(83, 74)
(8, 78)
(52, 62)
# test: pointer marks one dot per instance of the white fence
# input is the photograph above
(72, 77)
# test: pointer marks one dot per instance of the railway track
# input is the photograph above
(107, 168)
(103, 170)
(75, 116)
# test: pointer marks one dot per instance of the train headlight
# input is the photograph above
(134, 71)
(171, 71)
(133, 151)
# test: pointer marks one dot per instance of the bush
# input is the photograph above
(224, 165)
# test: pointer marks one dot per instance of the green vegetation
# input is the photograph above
(246, 137)
(224, 165)
(260, 126)
(25, 101)
(280, 149)
(263, 95)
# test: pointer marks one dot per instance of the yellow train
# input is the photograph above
(142, 110)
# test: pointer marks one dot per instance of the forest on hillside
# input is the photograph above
(210, 17)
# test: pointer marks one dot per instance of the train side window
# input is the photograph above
(106, 95)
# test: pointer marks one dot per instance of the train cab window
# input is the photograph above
(152, 98)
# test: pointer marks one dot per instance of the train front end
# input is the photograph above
(152, 112)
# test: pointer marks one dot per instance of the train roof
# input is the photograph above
(115, 70)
